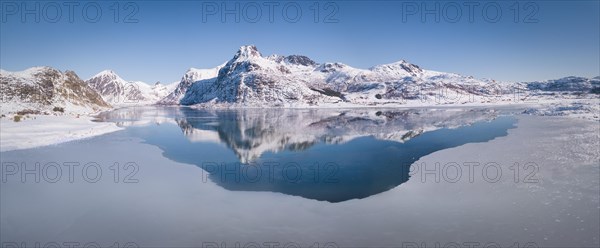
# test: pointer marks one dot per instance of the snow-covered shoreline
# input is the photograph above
(43, 130)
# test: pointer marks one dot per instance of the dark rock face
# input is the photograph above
(330, 67)
(42, 87)
(80, 92)
(412, 69)
(111, 87)
(300, 60)
(330, 92)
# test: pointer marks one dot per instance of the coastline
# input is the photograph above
(42, 130)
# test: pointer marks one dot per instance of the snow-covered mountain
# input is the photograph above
(252, 80)
(191, 75)
(119, 92)
(574, 84)
(47, 90)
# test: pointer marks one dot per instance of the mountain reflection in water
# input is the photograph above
(321, 154)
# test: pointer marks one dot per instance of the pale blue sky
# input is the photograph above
(171, 36)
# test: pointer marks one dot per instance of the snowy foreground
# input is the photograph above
(41, 130)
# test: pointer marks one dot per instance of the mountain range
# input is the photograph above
(119, 92)
(250, 79)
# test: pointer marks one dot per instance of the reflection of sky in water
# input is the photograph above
(335, 156)
(173, 206)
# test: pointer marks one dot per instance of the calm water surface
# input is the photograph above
(179, 177)
(324, 155)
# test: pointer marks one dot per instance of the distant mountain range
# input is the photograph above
(119, 92)
(250, 79)
(568, 84)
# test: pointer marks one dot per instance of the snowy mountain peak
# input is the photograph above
(191, 76)
(246, 52)
(120, 92)
(398, 68)
(108, 74)
(39, 69)
(30, 72)
(190, 70)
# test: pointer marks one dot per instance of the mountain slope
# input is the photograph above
(251, 80)
(119, 92)
(578, 84)
(191, 75)
(41, 89)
